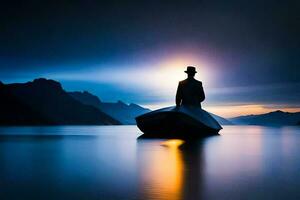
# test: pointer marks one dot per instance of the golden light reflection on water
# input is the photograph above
(174, 143)
(162, 176)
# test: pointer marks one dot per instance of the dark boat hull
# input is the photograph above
(178, 122)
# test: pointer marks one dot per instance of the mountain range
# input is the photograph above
(122, 112)
(45, 102)
(276, 118)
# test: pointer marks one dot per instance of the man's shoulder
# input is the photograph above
(198, 82)
(185, 81)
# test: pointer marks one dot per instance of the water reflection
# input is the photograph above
(194, 164)
(171, 169)
(246, 162)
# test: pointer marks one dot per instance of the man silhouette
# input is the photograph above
(190, 91)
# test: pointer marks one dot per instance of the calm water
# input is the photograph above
(94, 162)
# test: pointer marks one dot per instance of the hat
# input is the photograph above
(190, 70)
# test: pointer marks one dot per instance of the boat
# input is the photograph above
(178, 122)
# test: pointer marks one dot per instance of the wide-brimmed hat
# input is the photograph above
(190, 70)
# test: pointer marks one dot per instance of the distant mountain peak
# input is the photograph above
(134, 105)
(87, 93)
(275, 118)
(278, 111)
(121, 102)
(44, 101)
(86, 98)
(119, 110)
(39, 80)
(43, 82)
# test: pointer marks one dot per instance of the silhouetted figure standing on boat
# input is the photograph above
(190, 91)
(185, 120)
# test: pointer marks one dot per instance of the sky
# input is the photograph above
(246, 52)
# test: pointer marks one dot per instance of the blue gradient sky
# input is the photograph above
(246, 53)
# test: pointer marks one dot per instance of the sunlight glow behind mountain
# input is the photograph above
(153, 82)
(162, 77)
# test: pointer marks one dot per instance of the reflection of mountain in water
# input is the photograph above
(170, 169)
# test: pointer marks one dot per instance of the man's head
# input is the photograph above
(191, 71)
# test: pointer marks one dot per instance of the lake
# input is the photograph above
(109, 162)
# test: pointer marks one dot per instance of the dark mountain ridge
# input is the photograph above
(119, 110)
(86, 98)
(276, 118)
(44, 102)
